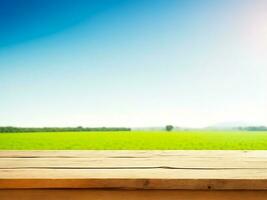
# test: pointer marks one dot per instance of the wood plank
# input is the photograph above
(134, 169)
(131, 153)
(130, 195)
(136, 184)
(152, 162)
(134, 174)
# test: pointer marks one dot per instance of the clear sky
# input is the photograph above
(132, 62)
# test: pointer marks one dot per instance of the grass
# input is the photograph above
(134, 140)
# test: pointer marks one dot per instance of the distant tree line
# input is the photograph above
(253, 128)
(10, 129)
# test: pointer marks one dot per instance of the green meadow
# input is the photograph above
(135, 140)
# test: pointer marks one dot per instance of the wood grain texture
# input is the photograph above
(205, 170)
(130, 195)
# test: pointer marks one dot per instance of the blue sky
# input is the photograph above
(132, 62)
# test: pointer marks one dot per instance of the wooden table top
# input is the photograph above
(204, 170)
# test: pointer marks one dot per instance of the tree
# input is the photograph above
(169, 127)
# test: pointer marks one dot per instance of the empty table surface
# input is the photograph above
(197, 170)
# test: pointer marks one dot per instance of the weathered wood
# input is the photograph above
(143, 163)
(205, 170)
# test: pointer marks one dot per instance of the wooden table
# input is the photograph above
(142, 175)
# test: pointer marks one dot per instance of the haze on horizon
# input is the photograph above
(191, 63)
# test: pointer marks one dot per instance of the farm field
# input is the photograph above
(135, 140)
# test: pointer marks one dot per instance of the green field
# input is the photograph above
(135, 140)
